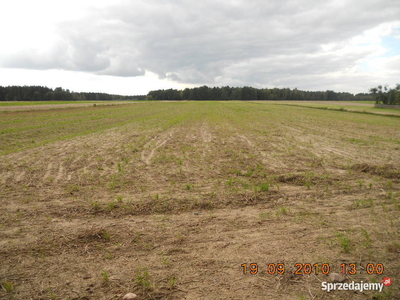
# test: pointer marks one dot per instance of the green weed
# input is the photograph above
(95, 205)
(104, 234)
(360, 183)
(109, 256)
(8, 286)
(308, 184)
(166, 261)
(264, 215)
(264, 187)
(344, 241)
(364, 203)
(112, 186)
(367, 242)
(105, 276)
(111, 205)
(143, 279)
(73, 188)
(281, 211)
(172, 282)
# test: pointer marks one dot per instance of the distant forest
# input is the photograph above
(41, 93)
(250, 93)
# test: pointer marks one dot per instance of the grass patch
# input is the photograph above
(344, 242)
(143, 279)
(8, 286)
(105, 276)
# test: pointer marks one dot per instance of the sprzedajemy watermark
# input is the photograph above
(356, 286)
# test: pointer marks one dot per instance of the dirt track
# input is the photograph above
(341, 103)
(57, 106)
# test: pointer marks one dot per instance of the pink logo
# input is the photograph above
(387, 281)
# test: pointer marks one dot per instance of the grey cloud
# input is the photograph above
(122, 65)
(173, 77)
(72, 53)
(208, 42)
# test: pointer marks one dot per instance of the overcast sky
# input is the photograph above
(133, 46)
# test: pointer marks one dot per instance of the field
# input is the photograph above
(355, 106)
(175, 200)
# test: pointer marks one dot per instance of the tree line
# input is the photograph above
(41, 93)
(381, 94)
(386, 95)
(251, 93)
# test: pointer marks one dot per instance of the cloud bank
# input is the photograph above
(305, 44)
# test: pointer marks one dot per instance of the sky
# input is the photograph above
(130, 47)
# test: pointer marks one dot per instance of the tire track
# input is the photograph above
(20, 176)
(161, 141)
(60, 173)
(48, 171)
